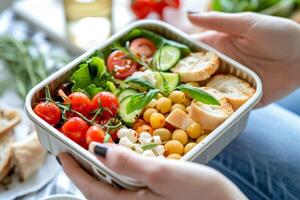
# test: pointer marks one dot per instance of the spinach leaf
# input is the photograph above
(198, 94)
(140, 100)
(81, 78)
(140, 82)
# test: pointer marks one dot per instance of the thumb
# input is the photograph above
(235, 24)
(125, 162)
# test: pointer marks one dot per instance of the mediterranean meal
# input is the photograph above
(153, 95)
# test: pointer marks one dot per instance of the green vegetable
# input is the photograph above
(140, 82)
(171, 79)
(271, 7)
(92, 77)
(25, 63)
(149, 146)
(127, 119)
(140, 100)
(198, 94)
(166, 57)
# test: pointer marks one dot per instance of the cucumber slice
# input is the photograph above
(167, 57)
(127, 119)
(172, 80)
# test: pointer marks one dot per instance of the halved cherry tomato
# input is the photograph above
(49, 112)
(80, 102)
(138, 123)
(120, 66)
(142, 47)
(75, 129)
(108, 101)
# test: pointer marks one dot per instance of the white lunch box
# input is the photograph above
(56, 142)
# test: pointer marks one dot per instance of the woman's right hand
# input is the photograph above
(268, 45)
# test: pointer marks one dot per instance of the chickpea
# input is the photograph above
(189, 146)
(199, 139)
(186, 102)
(148, 113)
(157, 120)
(177, 96)
(194, 130)
(174, 156)
(163, 133)
(195, 84)
(164, 105)
(178, 106)
(151, 104)
(180, 135)
(144, 128)
(173, 146)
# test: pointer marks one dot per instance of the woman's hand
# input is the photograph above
(165, 179)
(268, 45)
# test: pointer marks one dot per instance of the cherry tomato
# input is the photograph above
(95, 134)
(49, 112)
(75, 129)
(108, 101)
(142, 47)
(142, 8)
(120, 66)
(80, 102)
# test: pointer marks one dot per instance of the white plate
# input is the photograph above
(36, 182)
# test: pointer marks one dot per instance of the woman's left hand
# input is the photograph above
(165, 179)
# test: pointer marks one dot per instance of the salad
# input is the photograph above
(147, 93)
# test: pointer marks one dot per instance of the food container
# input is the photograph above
(56, 142)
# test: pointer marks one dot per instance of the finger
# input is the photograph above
(125, 162)
(89, 186)
(235, 24)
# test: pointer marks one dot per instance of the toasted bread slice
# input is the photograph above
(179, 119)
(8, 120)
(197, 66)
(234, 89)
(210, 116)
(28, 155)
(6, 162)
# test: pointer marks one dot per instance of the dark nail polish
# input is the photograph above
(100, 150)
(58, 160)
(190, 12)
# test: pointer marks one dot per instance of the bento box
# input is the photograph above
(55, 142)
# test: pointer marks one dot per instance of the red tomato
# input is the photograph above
(120, 66)
(108, 101)
(75, 129)
(142, 47)
(95, 134)
(142, 8)
(80, 102)
(49, 112)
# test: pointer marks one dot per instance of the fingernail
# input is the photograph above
(98, 149)
(58, 160)
(191, 12)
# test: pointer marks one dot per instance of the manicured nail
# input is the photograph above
(191, 12)
(99, 149)
(58, 160)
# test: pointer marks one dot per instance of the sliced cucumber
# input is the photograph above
(167, 57)
(127, 119)
(172, 81)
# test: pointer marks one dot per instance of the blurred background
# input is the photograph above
(37, 37)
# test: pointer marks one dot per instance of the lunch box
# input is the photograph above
(207, 149)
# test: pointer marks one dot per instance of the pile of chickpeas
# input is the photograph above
(177, 142)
